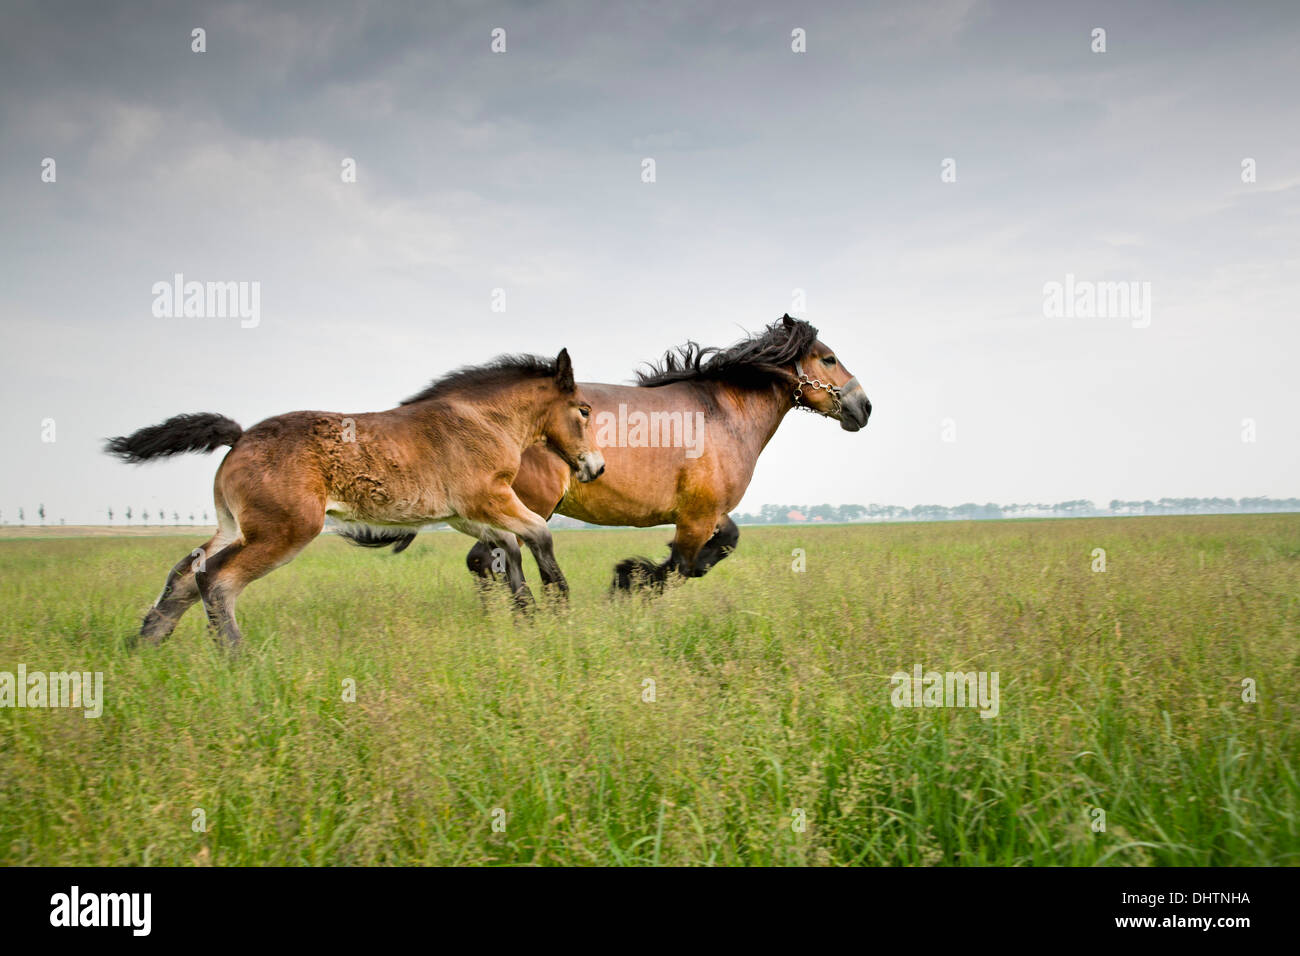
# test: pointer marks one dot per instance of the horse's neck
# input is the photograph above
(519, 409)
(527, 408)
(758, 412)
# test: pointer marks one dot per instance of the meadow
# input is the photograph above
(744, 718)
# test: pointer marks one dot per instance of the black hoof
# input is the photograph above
(639, 573)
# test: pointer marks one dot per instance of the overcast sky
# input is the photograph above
(775, 171)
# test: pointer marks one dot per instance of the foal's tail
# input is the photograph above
(201, 431)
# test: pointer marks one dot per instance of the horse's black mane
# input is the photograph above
(502, 369)
(752, 362)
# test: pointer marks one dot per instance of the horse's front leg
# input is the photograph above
(541, 544)
(722, 543)
(505, 551)
(688, 544)
(500, 552)
(698, 544)
(544, 551)
(504, 512)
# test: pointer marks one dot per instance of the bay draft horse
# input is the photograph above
(448, 454)
(740, 395)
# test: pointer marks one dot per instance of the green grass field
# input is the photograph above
(1119, 691)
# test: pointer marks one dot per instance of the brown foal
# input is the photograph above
(683, 443)
(449, 454)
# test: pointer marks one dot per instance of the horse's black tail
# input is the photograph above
(369, 537)
(202, 431)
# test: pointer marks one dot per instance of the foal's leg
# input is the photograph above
(217, 602)
(540, 484)
(542, 545)
(261, 550)
(505, 551)
(487, 559)
(504, 511)
(179, 593)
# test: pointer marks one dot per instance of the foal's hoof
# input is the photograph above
(556, 595)
(523, 599)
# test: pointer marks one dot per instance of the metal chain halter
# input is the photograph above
(812, 383)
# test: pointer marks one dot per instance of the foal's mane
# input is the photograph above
(752, 362)
(502, 370)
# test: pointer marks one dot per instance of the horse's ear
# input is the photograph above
(787, 321)
(564, 371)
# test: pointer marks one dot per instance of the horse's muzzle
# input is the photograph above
(855, 407)
(591, 466)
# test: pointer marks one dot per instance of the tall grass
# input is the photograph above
(1120, 691)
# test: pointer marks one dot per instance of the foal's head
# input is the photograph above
(566, 427)
(555, 411)
(824, 385)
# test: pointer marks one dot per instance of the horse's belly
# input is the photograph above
(392, 513)
(609, 501)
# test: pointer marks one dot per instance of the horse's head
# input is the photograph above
(825, 386)
(567, 427)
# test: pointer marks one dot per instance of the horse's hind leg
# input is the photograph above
(218, 601)
(237, 565)
(482, 561)
(179, 594)
(489, 558)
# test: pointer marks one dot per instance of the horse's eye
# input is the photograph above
(829, 359)
(586, 412)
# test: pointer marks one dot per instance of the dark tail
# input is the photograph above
(202, 431)
(369, 537)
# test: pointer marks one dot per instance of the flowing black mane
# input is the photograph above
(500, 371)
(752, 362)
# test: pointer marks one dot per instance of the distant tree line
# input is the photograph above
(1079, 508)
(128, 513)
(840, 514)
